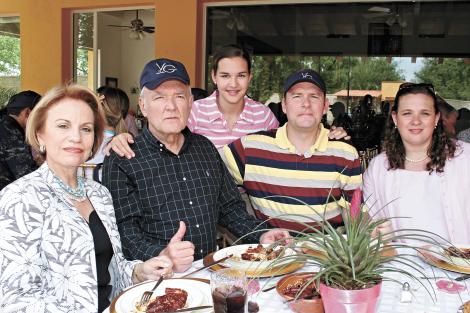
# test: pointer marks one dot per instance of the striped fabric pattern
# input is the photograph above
(206, 119)
(280, 181)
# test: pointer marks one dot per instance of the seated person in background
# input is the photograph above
(422, 173)
(111, 101)
(464, 135)
(341, 118)
(198, 93)
(121, 99)
(463, 120)
(292, 170)
(16, 159)
(448, 116)
(60, 250)
(170, 197)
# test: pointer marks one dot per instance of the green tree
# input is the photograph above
(451, 79)
(9, 56)
(371, 73)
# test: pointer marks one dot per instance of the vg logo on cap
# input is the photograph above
(159, 71)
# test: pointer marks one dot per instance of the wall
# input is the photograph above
(135, 54)
(46, 35)
(109, 45)
(41, 60)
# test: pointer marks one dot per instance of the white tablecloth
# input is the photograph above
(389, 302)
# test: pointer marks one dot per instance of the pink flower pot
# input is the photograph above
(350, 301)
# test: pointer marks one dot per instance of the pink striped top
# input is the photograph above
(206, 119)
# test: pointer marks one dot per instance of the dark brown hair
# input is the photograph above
(442, 146)
(230, 51)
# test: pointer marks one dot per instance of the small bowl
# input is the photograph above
(299, 305)
(464, 308)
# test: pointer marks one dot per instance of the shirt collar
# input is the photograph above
(150, 138)
(283, 142)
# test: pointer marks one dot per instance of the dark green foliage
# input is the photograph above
(451, 79)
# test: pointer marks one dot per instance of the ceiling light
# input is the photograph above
(136, 35)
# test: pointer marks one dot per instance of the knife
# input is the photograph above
(195, 308)
(463, 277)
(207, 266)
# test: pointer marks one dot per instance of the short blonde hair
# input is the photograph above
(37, 118)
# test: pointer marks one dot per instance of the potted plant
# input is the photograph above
(354, 260)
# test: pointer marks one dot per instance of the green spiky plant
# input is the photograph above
(355, 256)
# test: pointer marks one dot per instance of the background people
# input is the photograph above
(62, 250)
(448, 115)
(114, 102)
(341, 118)
(16, 159)
(170, 197)
(419, 174)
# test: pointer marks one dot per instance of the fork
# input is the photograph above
(144, 301)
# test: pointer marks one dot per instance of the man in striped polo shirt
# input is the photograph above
(296, 173)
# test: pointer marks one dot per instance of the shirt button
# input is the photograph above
(202, 251)
(161, 150)
(184, 178)
(190, 202)
(197, 225)
(161, 145)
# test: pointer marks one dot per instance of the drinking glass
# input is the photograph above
(229, 291)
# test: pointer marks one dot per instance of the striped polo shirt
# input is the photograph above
(206, 119)
(288, 188)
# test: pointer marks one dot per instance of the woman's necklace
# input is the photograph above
(415, 161)
(77, 194)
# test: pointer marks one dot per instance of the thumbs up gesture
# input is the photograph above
(180, 252)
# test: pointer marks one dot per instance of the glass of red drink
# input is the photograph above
(229, 291)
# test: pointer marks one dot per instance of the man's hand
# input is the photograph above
(120, 145)
(338, 133)
(180, 252)
(152, 269)
(275, 235)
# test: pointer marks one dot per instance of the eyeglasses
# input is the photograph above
(405, 86)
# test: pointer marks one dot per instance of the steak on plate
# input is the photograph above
(173, 299)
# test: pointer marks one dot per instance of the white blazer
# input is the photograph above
(47, 255)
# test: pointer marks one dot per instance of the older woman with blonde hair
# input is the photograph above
(60, 249)
(423, 173)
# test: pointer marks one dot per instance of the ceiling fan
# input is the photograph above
(390, 16)
(137, 28)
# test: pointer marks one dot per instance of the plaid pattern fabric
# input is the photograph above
(156, 189)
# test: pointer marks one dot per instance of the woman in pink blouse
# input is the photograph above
(422, 175)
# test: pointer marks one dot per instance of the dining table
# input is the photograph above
(426, 296)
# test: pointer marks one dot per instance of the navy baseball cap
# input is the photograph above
(24, 99)
(305, 75)
(159, 71)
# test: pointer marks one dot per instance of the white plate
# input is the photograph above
(439, 254)
(248, 265)
(459, 261)
(199, 293)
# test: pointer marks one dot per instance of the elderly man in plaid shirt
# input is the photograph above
(171, 195)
